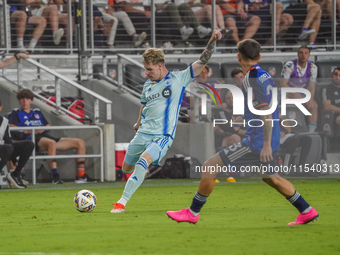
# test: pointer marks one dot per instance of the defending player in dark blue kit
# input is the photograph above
(261, 141)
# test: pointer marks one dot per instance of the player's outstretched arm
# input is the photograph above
(198, 65)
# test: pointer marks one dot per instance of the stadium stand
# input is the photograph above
(112, 71)
(134, 76)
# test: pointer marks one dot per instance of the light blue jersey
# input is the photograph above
(162, 100)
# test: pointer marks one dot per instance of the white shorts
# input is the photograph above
(37, 11)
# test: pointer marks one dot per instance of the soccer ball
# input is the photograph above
(85, 201)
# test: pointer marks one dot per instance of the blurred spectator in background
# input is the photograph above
(238, 76)
(63, 17)
(203, 12)
(235, 17)
(168, 17)
(302, 73)
(113, 17)
(139, 13)
(50, 13)
(331, 96)
(327, 8)
(264, 10)
(101, 30)
(179, 11)
(226, 133)
(310, 14)
(19, 19)
(10, 151)
(25, 117)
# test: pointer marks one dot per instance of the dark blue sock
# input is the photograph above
(197, 202)
(299, 202)
(54, 171)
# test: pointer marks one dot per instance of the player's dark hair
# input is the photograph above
(236, 71)
(335, 69)
(25, 93)
(303, 47)
(249, 49)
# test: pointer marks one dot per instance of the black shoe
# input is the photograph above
(16, 180)
(56, 179)
(84, 179)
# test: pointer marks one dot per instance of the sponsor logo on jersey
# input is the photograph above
(152, 97)
(166, 93)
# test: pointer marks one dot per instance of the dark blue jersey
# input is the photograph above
(262, 83)
(23, 119)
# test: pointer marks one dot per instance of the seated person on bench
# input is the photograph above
(25, 116)
(10, 151)
(331, 96)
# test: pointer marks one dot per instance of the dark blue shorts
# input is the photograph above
(240, 155)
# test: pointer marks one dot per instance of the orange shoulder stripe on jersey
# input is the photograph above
(263, 104)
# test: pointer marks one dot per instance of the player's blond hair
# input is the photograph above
(154, 56)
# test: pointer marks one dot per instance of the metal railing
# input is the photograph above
(35, 71)
(83, 42)
(35, 157)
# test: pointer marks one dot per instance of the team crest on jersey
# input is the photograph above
(166, 93)
(37, 116)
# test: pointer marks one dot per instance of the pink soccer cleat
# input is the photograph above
(183, 215)
(304, 218)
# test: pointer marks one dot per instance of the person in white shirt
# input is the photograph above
(302, 73)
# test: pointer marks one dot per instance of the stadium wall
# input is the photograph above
(66, 167)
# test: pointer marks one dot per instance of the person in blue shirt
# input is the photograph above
(258, 146)
(27, 117)
(155, 128)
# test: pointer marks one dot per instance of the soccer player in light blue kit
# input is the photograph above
(257, 148)
(161, 100)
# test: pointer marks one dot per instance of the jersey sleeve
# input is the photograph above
(44, 119)
(287, 70)
(259, 99)
(7, 136)
(13, 118)
(314, 72)
(186, 76)
(143, 97)
(326, 94)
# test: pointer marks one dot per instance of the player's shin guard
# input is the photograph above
(135, 180)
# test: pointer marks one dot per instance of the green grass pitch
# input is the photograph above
(246, 217)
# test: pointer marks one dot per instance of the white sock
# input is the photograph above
(312, 127)
(193, 213)
(20, 42)
(122, 201)
(33, 43)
